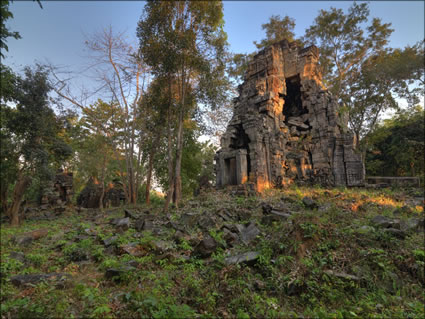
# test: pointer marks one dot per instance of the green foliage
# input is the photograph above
(4, 31)
(343, 43)
(396, 146)
(278, 28)
(31, 133)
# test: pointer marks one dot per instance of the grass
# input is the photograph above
(288, 279)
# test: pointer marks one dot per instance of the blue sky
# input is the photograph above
(56, 32)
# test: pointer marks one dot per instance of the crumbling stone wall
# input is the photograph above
(286, 126)
(90, 196)
(59, 191)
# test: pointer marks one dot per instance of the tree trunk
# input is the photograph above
(179, 151)
(102, 181)
(3, 198)
(150, 167)
(21, 185)
(170, 163)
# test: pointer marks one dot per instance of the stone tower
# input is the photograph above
(286, 126)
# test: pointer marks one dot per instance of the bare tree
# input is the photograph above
(120, 74)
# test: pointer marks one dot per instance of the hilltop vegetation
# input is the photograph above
(303, 251)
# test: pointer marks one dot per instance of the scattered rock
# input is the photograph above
(366, 229)
(79, 254)
(206, 247)
(402, 211)
(310, 203)
(341, 275)
(148, 225)
(382, 221)
(248, 233)
(122, 223)
(396, 232)
(206, 222)
(161, 246)
(138, 224)
(189, 219)
(130, 214)
(28, 238)
(133, 263)
(248, 258)
(111, 250)
(115, 274)
(58, 279)
(230, 237)
(267, 208)
(325, 207)
(90, 232)
(274, 216)
(110, 240)
(79, 238)
(413, 224)
(133, 250)
(178, 236)
(17, 256)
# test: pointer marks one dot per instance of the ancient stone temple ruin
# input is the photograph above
(90, 196)
(286, 126)
(59, 190)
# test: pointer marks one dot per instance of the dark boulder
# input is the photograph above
(206, 247)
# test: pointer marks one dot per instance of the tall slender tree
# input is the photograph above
(184, 42)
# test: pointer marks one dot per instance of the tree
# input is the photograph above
(344, 45)
(396, 146)
(184, 42)
(30, 135)
(122, 76)
(96, 143)
(360, 70)
(277, 29)
(5, 33)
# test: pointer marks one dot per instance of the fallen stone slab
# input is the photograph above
(57, 279)
(396, 232)
(298, 124)
(138, 224)
(248, 233)
(274, 216)
(27, 238)
(248, 258)
(122, 224)
(130, 214)
(413, 225)
(133, 250)
(384, 222)
(341, 275)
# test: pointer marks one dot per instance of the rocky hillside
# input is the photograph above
(299, 252)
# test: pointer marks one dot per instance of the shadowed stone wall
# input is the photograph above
(286, 127)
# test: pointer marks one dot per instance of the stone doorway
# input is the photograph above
(230, 164)
(293, 104)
